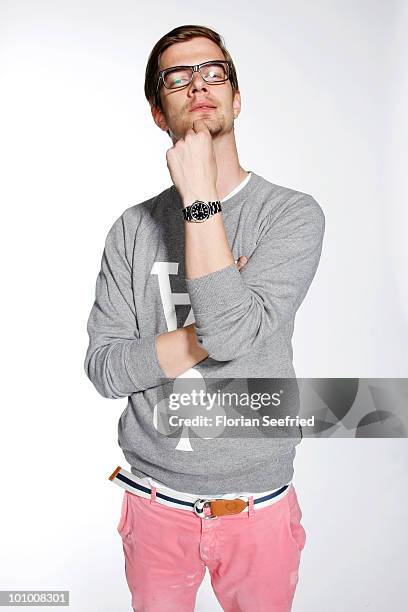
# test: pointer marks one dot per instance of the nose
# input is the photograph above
(197, 83)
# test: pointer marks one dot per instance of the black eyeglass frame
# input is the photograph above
(195, 68)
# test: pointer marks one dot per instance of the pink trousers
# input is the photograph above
(253, 557)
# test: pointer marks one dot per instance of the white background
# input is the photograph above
(324, 94)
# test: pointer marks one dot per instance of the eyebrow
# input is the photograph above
(212, 61)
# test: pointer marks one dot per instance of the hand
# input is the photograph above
(241, 262)
(192, 165)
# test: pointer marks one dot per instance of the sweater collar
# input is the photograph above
(238, 194)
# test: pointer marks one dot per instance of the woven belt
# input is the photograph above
(204, 507)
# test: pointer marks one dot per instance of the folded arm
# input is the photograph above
(235, 311)
(118, 361)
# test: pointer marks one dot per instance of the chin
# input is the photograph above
(215, 126)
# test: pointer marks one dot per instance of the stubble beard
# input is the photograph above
(215, 125)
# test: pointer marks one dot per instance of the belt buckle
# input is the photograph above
(199, 506)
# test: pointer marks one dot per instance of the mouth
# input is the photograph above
(202, 108)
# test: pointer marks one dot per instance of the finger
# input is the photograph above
(199, 125)
(241, 262)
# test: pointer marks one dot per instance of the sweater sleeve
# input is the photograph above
(118, 361)
(236, 310)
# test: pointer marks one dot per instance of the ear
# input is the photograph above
(236, 104)
(159, 118)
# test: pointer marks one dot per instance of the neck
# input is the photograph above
(229, 171)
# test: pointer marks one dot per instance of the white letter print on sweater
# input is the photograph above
(163, 269)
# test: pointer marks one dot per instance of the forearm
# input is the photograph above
(206, 247)
(178, 350)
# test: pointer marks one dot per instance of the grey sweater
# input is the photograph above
(244, 320)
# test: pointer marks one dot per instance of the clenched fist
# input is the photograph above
(192, 165)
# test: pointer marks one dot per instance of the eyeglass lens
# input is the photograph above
(211, 73)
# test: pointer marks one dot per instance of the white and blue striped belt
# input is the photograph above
(203, 507)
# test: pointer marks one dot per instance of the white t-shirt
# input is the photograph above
(238, 187)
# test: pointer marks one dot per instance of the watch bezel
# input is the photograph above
(207, 207)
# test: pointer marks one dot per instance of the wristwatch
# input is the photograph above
(200, 211)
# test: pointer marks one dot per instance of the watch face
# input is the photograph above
(200, 211)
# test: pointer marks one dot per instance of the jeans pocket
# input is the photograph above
(124, 522)
(296, 530)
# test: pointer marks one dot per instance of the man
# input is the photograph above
(203, 281)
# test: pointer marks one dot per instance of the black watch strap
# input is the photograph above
(215, 207)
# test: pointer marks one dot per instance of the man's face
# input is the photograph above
(178, 114)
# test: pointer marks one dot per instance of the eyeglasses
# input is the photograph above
(176, 77)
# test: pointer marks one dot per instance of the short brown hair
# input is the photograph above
(179, 34)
